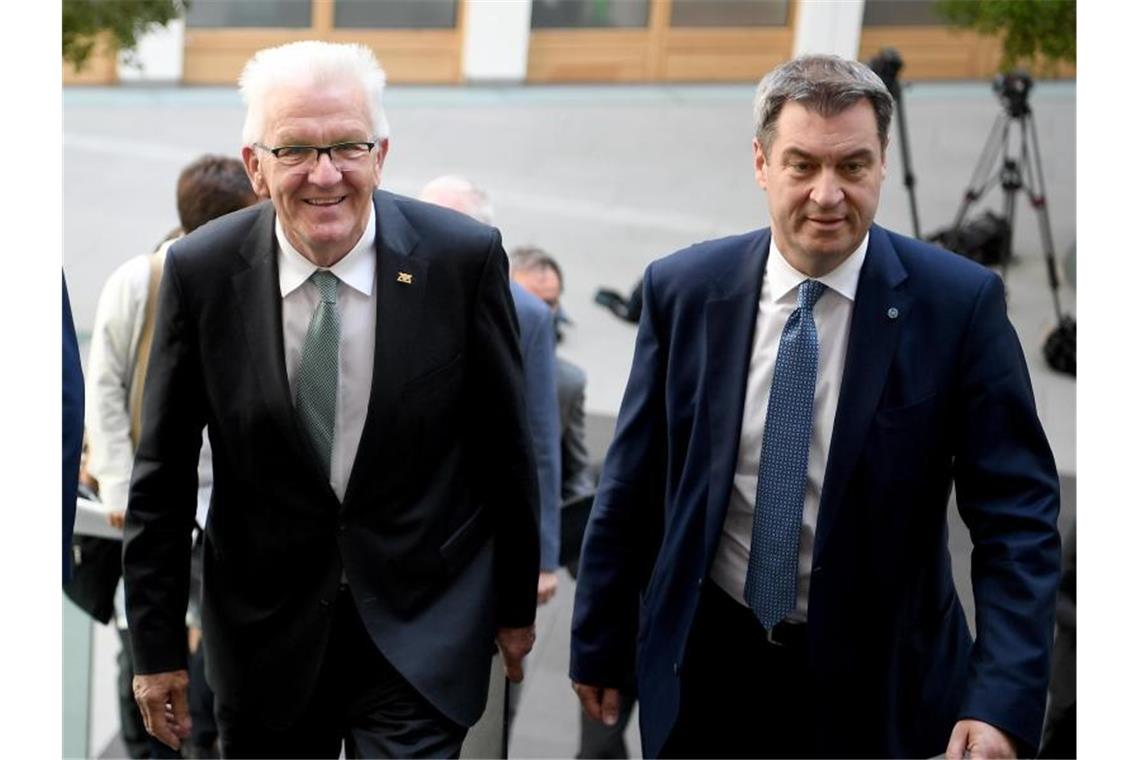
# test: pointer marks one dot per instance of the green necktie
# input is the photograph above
(317, 375)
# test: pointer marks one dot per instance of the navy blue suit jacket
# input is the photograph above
(536, 340)
(935, 396)
(72, 428)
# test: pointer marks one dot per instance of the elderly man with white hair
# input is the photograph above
(354, 358)
(540, 371)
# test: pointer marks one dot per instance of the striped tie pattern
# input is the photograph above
(770, 588)
(317, 375)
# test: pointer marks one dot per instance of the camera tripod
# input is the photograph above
(1016, 171)
(887, 65)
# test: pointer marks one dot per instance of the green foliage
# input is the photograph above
(1033, 29)
(124, 20)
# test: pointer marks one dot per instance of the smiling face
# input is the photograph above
(322, 209)
(823, 175)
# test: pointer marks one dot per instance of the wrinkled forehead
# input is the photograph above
(853, 126)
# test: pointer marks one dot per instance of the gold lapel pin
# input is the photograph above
(404, 278)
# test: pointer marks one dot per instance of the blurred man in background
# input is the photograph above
(121, 341)
(536, 339)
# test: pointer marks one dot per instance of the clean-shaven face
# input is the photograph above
(322, 208)
(543, 283)
(823, 175)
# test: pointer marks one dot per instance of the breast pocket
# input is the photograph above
(449, 371)
(904, 449)
(909, 415)
(430, 416)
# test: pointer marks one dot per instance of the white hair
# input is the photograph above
(310, 63)
(460, 194)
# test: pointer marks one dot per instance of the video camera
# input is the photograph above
(1012, 89)
(886, 66)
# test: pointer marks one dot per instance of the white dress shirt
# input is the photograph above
(778, 294)
(111, 358)
(119, 317)
(356, 304)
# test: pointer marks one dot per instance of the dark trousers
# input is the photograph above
(360, 700)
(741, 696)
(203, 731)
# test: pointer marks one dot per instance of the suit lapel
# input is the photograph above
(730, 320)
(258, 297)
(401, 282)
(870, 349)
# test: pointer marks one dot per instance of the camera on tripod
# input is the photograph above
(1012, 89)
(988, 239)
(887, 65)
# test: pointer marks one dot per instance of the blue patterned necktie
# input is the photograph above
(774, 558)
(317, 375)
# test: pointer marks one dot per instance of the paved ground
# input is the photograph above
(607, 179)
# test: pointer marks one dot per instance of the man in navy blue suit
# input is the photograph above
(802, 400)
(536, 341)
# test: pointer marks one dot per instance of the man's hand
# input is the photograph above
(116, 517)
(600, 703)
(514, 644)
(161, 698)
(547, 585)
(975, 739)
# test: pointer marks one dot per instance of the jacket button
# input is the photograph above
(326, 603)
(817, 570)
(676, 668)
(341, 527)
(700, 582)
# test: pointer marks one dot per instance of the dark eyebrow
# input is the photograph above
(791, 153)
(863, 154)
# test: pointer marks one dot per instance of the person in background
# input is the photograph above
(121, 342)
(536, 338)
(539, 273)
(72, 428)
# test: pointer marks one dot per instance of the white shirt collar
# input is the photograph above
(357, 269)
(844, 279)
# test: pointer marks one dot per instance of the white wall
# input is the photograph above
(160, 53)
(496, 40)
(829, 26)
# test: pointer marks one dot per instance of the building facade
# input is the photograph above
(549, 41)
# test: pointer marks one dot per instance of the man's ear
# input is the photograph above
(252, 163)
(381, 154)
(760, 163)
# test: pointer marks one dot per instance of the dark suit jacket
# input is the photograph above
(536, 339)
(576, 480)
(436, 533)
(72, 428)
(936, 396)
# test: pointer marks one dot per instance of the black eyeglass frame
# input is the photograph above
(320, 149)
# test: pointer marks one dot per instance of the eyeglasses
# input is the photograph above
(341, 155)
